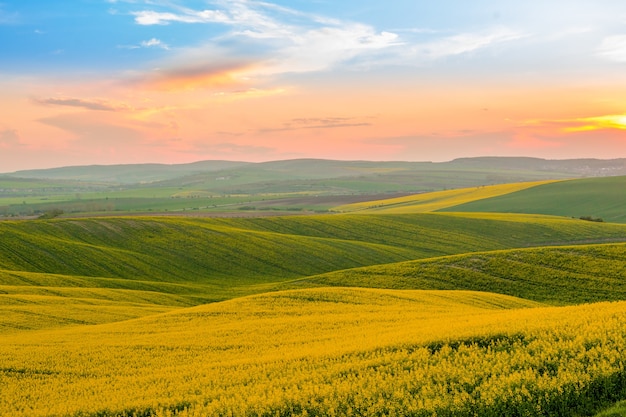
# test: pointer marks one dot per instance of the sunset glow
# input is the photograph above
(121, 81)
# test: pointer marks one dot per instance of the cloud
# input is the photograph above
(465, 43)
(318, 123)
(154, 42)
(8, 18)
(98, 105)
(261, 40)
(151, 43)
(195, 74)
(94, 130)
(149, 17)
(276, 39)
(583, 124)
(9, 138)
(613, 48)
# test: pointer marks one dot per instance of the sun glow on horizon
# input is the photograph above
(614, 121)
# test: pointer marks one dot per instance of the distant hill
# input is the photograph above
(578, 167)
(127, 174)
(489, 169)
(288, 185)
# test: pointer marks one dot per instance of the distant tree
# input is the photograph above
(51, 214)
(591, 219)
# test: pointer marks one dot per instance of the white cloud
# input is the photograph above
(149, 17)
(466, 42)
(154, 43)
(279, 40)
(613, 48)
(151, 43)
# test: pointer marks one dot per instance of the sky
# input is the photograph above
(173, 81)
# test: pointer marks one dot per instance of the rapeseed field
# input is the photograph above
(326, 351)
(433, 201)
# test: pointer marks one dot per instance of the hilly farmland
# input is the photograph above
(387, 307)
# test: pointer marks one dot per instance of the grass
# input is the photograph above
(618, 410)
(422, 203)
(152, 264)
(246, 251)
(596, 197)
(558, 275)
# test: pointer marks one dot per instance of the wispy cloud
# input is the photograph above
(149, 17)
(195, 74)
(283, 40)
(611, 121)
(154, 42)
(151, 43)
(466, 42)
(583, 124)
(9, 138)
(272, 40)
(8, 18)
(94, 129)
(99, 105)
(319, 123)
(613, 48)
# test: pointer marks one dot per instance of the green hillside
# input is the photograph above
(558, 275)
(255, 250)
(138, 266)
(603, 198)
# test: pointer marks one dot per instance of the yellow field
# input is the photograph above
(427, 202)
(321, 352)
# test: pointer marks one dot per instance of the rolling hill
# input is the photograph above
(325, 352)
(553, 275)
(137, 266)
(127, 174)
(392, 310)
(603, 198)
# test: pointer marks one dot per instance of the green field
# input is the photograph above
(389, 310)
(602, 198)
(292, 185)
